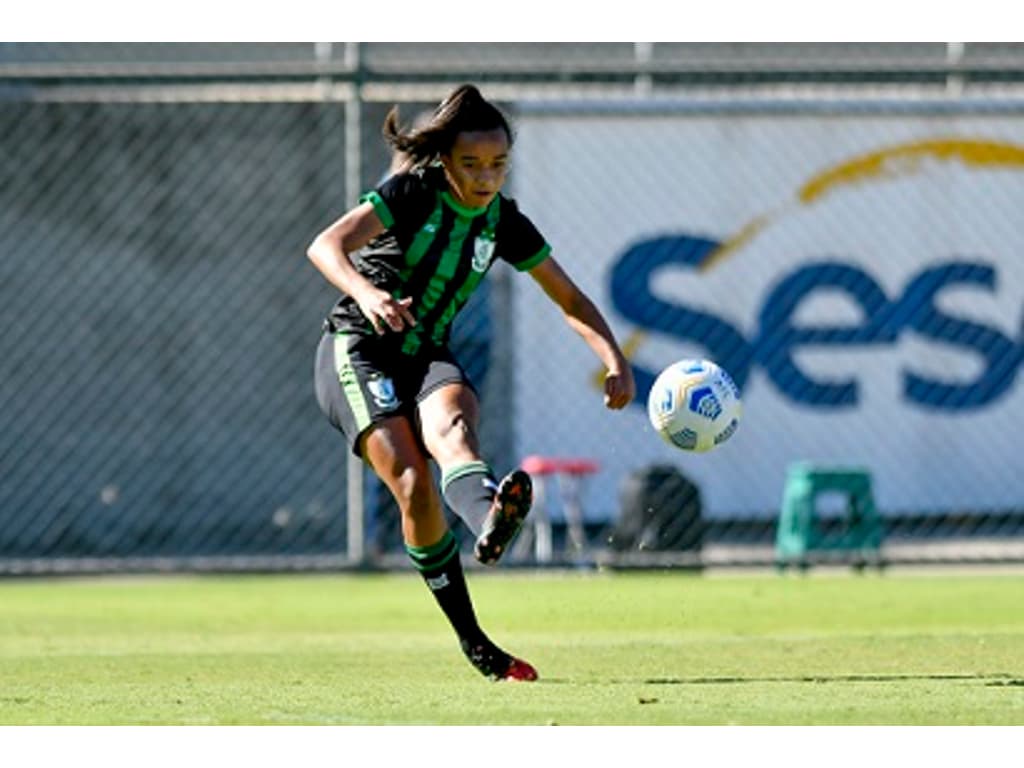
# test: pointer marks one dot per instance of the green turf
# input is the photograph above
(639, 648)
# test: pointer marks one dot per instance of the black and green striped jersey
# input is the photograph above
(437, 251)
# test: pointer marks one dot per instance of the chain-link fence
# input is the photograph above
(836, 224)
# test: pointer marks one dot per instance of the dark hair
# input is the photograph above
(465, 109)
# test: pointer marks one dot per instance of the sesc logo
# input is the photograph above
(778, 338)
(918, 307)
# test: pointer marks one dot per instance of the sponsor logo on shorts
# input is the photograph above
(383, 392)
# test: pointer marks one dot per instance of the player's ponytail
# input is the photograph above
(465, 109)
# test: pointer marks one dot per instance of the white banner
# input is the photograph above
(862, 278)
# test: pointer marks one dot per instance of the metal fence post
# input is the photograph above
(353, 187)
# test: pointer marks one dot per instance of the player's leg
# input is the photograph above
(494, 511)
(448, 421)
(359, 399)
(394, 452)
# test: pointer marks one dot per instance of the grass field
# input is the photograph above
(611, 648)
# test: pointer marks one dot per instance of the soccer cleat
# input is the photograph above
(509, 509)
(520, 670)
(494, 664)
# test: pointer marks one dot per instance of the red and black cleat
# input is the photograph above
(520, 670)
(508, 511)
(494, 664)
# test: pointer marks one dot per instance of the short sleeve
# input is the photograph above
(520, 242)
(402, 201)
(379, 207)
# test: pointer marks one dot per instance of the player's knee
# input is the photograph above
(454, 434)
(457, 426)
(413, 489)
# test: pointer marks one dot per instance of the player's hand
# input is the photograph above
(385, 312)
(619, 388)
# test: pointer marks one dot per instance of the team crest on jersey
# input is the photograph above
(483, 252)
(383, 391)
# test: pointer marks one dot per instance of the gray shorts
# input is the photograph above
(361, 380)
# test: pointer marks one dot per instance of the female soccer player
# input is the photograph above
(406, 259)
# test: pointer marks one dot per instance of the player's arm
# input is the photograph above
(586, 319)
(330, 251)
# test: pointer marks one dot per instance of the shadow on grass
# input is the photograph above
(992, 679)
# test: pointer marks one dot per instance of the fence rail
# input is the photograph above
(522, 63)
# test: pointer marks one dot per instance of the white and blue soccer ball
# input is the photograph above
(694, 405)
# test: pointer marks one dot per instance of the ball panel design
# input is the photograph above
(694, 405)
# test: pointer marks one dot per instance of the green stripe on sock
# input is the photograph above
(472, 468)
(435, 555)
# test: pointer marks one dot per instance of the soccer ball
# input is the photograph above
(694, 405)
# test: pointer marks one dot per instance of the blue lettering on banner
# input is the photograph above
(777, 338)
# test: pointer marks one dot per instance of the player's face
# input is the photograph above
(477, 166)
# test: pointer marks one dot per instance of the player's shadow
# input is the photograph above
(992, 679)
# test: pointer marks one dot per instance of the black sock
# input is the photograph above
(441, 569)
(469, 490)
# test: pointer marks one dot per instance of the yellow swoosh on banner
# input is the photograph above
(906, 159)
(888, 163)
